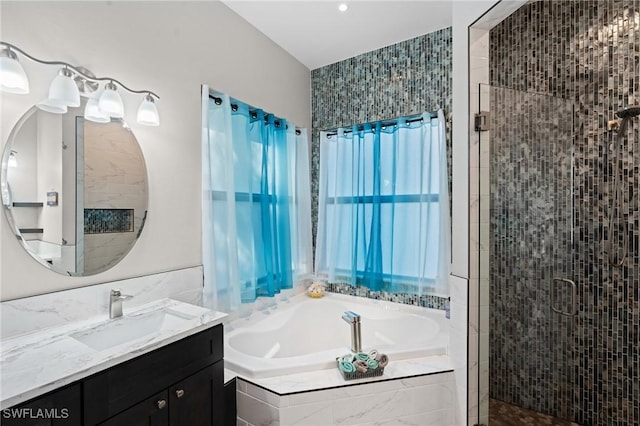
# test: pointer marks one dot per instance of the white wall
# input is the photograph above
(167, 47)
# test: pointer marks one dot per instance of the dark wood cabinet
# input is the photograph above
(188, 398)
(153, 411)
(177, 385)
(191, 402)
(62, 407)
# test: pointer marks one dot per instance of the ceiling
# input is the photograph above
(317, 34)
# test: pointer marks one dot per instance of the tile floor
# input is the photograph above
(503, 414)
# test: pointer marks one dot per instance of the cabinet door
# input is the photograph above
(199, 399)
(61, 407)
(153, 411)
(114, 390)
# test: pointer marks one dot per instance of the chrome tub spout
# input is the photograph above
(353, 320)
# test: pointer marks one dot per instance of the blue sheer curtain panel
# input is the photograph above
(256, 203)
(383, 219)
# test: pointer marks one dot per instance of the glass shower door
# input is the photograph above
(528, 300)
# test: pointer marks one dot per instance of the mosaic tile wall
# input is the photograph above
(549, 215)
(406, 78)
(107, 221)
(434, 302)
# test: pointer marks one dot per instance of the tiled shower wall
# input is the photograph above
(403, 79)
(549, 206)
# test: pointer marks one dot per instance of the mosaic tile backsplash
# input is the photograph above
(434, 302)
(403, 79)
(106, 221)
(550, 199)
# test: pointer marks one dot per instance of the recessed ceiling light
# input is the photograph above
(343, 7)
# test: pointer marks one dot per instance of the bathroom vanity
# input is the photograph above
(168, 372)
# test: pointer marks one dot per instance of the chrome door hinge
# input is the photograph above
(481, 121)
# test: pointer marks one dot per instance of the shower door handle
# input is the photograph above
(574, 302)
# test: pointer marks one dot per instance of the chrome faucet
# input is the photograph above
(115, 303)
(353, 320)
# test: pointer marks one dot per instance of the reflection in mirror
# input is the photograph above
(74, 191)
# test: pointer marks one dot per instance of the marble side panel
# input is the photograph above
(422, 400)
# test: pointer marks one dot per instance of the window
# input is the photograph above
(383, 206)
(256, 210)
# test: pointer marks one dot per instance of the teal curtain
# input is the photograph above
(383, 217)
(256, 241)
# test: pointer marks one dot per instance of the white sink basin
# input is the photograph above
(131, 328)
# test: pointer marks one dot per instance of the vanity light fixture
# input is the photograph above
(64, 90)
(93, 113)
(13, 79)
(110, 101)
(147, 112)
(343, 7)
(52, 106)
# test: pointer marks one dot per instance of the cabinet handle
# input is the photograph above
(180, 393)
(161, 403)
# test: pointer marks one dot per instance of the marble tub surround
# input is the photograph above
(423, 399)
(35, 363)
(331, 378)
(34, 313)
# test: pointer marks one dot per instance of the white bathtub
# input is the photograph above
(306, 334)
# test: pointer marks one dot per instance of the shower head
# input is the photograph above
(624, 116)
(629, 112)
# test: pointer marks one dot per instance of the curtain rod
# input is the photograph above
(234, 107)
(393, 122)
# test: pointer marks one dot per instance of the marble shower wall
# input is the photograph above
(403, 79)
(585, 54)
(118, 184)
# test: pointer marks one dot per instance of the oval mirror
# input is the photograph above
(74, 191)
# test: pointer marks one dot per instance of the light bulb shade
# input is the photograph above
(12, 76)
(64, 90)
(52, 106)
(148, 113)
(110, 102)
(92, 112)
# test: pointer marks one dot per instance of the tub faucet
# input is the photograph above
(115, 303)
(353, 320)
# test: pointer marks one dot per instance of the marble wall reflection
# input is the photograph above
(114, 178)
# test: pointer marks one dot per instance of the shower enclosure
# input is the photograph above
(529, 231)
(559, 216)
(563, 317)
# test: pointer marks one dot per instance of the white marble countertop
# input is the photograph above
(331, 378)
(35, 363)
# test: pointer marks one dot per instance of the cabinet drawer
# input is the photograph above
(113, 391)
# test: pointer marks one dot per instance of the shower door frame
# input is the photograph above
(553, 291)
